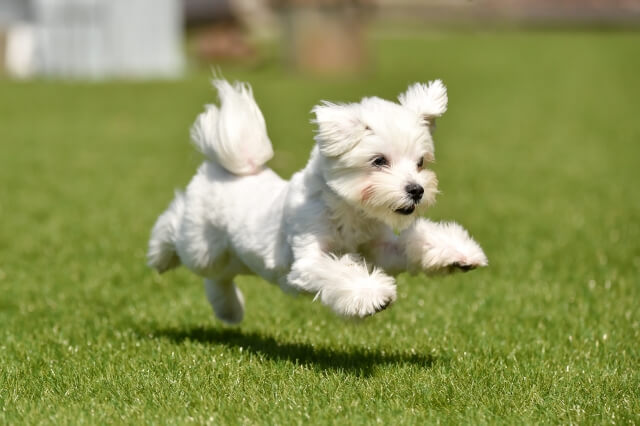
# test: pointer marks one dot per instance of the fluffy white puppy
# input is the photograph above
(330, 229)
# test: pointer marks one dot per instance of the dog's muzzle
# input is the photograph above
(406, 210)
(415, 193)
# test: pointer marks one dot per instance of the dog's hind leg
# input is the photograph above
(204, 249)
(162, 251)
(224, 296)
(226, 300)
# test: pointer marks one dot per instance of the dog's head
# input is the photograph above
(377, 153)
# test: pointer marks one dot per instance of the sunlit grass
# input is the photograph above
(537, 156)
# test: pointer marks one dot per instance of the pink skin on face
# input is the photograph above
(367, 192)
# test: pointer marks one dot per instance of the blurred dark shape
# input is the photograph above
(324, 36)
(225, 41)
(222, 30)
(205, 12)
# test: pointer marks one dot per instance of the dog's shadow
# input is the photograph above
(356, 361)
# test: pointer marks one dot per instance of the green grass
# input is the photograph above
(538, 156)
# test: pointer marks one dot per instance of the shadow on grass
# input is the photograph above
(356, 361)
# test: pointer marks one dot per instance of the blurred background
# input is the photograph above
(96, 39)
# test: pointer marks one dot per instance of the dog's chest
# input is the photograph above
(351, 230)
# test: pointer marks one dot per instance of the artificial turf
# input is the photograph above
(538, 156)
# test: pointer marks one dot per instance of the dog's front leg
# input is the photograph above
(441, 247)
(343, 283)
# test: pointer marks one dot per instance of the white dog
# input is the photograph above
(330, 229)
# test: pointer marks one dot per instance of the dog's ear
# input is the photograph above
(340, 127)
(429, 100)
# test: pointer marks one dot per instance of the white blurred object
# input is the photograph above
(103, 38)
(92, 39)
(20, 51)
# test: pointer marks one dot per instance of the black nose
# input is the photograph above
(415, 191)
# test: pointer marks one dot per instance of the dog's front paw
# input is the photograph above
(442, 247)
(464, 267)
(360, 296)
(453, 250)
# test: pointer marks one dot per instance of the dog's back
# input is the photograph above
(233, 136)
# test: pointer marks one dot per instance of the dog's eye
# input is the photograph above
(380, 161)
(420, 162)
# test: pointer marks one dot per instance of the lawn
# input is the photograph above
(538, 156)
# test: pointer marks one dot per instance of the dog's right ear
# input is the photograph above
(340, 127)
(429, 101)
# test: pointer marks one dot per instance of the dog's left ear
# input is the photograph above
(429, 101)
(340, 127)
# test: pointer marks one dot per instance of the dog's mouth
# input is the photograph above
(406, 210)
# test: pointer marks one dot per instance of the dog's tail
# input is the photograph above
(234, 134)
(162, 245)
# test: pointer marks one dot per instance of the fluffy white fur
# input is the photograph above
(332, 229)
